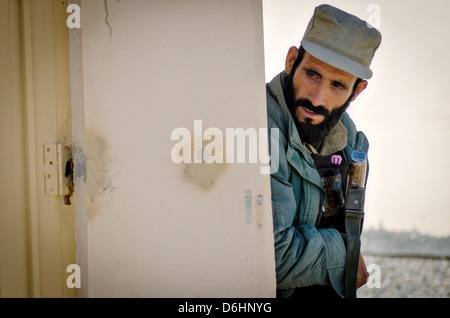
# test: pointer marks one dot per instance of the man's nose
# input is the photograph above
(317, 96)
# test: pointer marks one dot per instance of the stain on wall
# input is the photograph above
(99, 165)
(201, 175)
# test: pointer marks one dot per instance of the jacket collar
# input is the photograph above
(335, 141)
(276, 89)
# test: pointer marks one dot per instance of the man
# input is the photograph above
(307, 103)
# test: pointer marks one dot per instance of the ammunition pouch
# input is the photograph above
(334, 180)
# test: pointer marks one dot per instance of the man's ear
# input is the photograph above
(361, 86)
(290, 59)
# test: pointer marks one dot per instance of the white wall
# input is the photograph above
(156, 228)
(404, 111)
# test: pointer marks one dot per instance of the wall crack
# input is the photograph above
(105, 2)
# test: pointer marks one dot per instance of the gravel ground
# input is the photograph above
(407, 277)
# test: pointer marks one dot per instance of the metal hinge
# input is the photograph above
(58, 170)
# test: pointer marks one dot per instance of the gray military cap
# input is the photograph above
(341, 40)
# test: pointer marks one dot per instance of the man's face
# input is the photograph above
(318, 94)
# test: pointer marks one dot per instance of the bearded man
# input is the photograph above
(307, 103)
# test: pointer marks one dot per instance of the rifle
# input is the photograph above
(354, 216)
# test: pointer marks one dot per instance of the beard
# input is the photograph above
(310, 133)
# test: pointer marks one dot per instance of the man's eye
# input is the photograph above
(337, 85)
(311, 74)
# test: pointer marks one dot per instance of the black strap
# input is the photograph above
(354, 216)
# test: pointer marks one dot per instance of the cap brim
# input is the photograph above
(336, 59)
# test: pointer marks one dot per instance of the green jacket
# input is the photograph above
(304, 254)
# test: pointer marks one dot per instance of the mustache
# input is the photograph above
(306, 103)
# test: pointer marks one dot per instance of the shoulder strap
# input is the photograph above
(354, 217)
